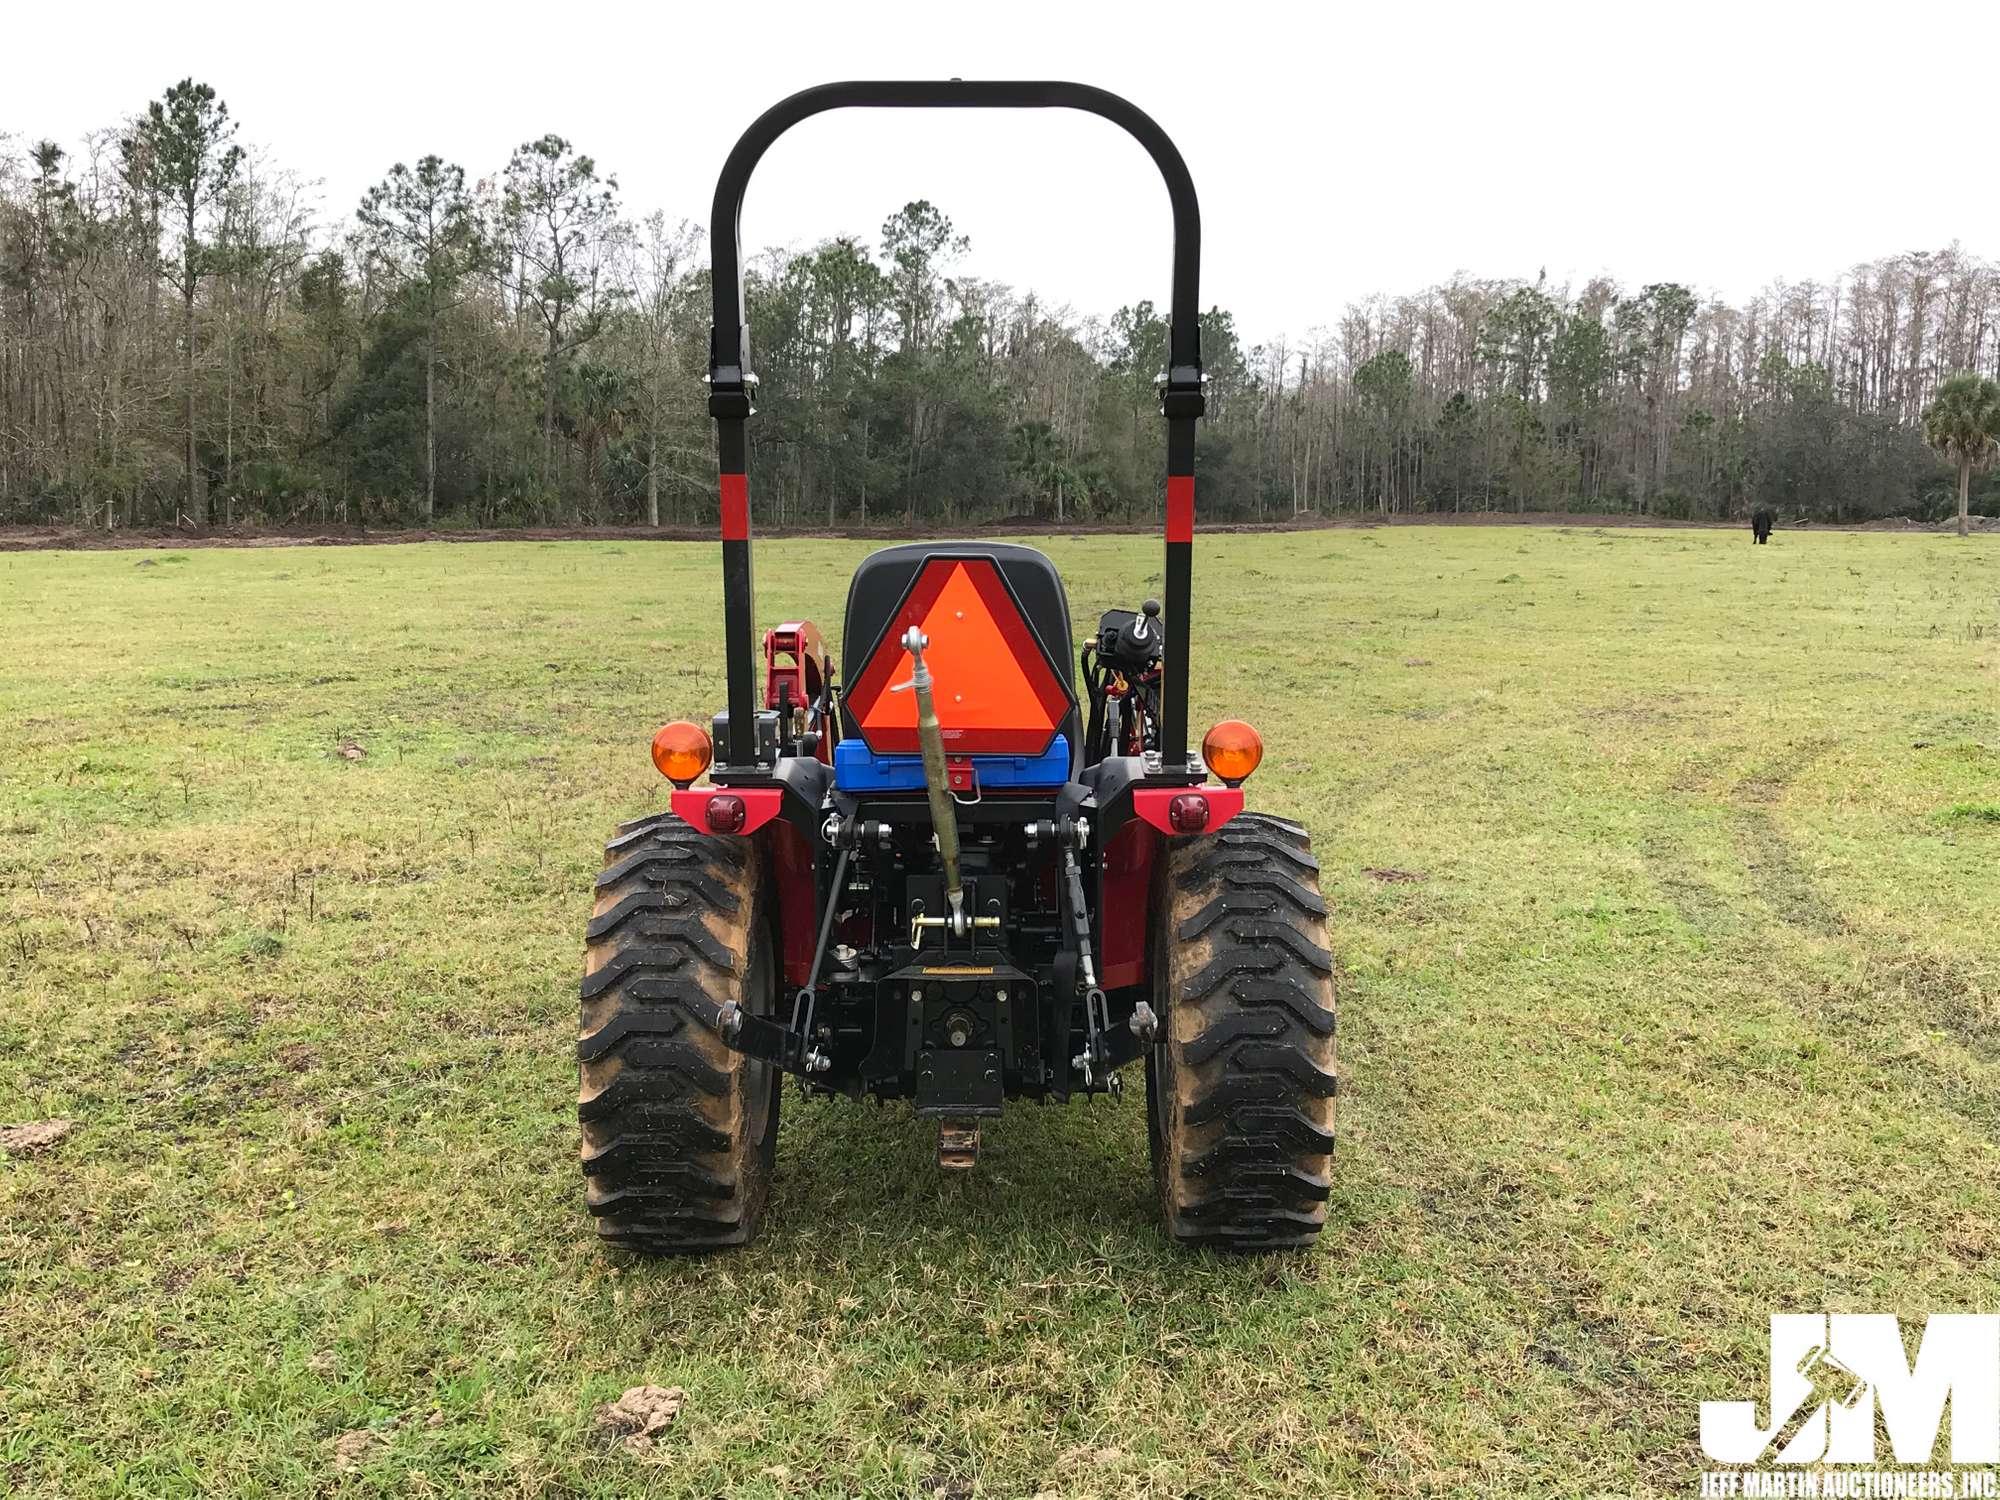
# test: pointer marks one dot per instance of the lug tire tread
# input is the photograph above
(1242, 1086)
(670, 1159)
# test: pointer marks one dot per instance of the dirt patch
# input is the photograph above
(352, 1449)
(36, 1135)
(1392, 877)
(1644, 713)
(639, 1416)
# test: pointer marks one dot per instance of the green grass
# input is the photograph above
(1693, 1015)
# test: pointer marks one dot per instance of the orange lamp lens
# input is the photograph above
(681, 752)
(1233, 750)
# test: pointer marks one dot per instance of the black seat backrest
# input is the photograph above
(885, 577)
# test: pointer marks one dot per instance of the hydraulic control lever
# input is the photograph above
(1131, 642)
(1140, 638)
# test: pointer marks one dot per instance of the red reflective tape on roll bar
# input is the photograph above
(735, 508)
(1180, 507)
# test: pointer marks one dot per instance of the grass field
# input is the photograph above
(1691, 1015)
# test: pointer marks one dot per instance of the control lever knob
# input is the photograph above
(1139, 639)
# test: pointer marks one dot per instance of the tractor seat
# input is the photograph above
(998, 620)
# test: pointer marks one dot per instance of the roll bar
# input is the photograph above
(731, 381)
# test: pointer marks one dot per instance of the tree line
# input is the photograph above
(186, 340)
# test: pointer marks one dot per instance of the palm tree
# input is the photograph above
(1038, 458)
(1963, 424)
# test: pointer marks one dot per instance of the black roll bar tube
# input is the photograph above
(731, 383)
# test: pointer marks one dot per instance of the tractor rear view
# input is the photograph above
(932, 871)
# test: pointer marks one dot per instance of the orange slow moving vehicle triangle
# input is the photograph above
(995, 691)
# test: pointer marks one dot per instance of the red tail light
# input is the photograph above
(725, 814)
(1188, 812)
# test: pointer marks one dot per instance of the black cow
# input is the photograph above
(1762, 519)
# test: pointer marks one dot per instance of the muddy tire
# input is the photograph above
(1240, 1085)
(679, 1132)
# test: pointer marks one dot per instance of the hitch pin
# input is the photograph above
(957, 925)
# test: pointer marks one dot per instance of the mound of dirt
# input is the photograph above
(36, 1135)
(639, 1416)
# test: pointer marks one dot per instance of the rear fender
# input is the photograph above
(790, 854)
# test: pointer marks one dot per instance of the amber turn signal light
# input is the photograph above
(1232, 750)
(681, 752)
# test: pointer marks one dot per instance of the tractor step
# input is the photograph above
(958, 1145)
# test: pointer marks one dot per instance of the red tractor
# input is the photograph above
(933, 873)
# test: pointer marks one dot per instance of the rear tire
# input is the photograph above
(1240, 1085)
(679, 1132)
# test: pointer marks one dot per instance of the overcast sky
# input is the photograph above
(1339, 151)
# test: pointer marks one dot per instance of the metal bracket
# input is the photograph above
(727, 405)
(958, 1145)
(811, 1059)
(1096, 1022)
(1181, 395)
(753, 1036)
